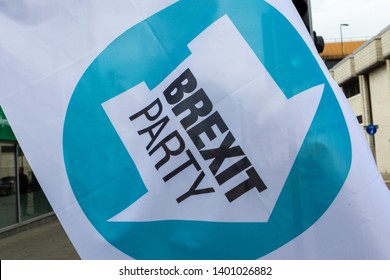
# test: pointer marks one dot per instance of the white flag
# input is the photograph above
(190, 129)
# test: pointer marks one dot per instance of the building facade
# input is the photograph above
(21, 197)
(364, 77)
(334, 52)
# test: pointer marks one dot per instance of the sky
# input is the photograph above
(366, 18)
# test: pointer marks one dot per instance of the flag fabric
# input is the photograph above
(190, 129)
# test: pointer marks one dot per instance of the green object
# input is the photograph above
(6, 132)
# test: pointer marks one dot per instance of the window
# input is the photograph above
(21, 197)
(32, 200)
(8, 189)
(352, 88)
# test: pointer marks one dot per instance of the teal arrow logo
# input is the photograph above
(106, 176)
(198, 185)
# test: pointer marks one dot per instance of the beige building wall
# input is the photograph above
(356, 103)
(345, 70)
(370, 65)
(368, 56)
(380, 102)
(367, 114)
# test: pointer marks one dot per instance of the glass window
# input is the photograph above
(21, 196)
(33, 202)
(8, 189)
(352, 88)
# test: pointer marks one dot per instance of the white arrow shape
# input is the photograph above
(268, 127)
